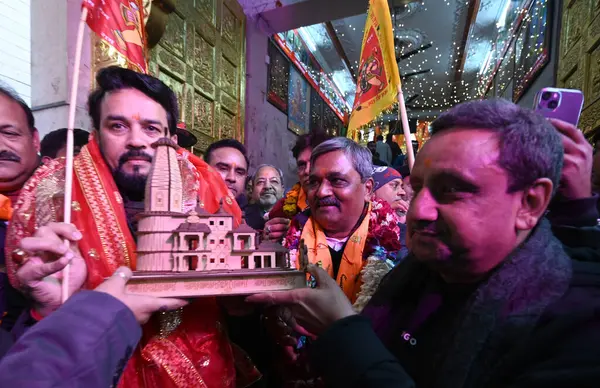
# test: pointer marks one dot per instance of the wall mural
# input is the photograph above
(298, 103)
(278, 77)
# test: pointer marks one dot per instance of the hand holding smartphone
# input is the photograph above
(561, 104)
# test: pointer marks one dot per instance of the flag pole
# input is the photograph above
(69, 157)
(404, 119)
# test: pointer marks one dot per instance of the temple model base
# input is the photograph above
(190, 284)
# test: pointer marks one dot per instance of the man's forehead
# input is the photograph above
(461, 152)
(132, 103)
(267, 172)
(332, 163)
(11, 112)
(228, 155)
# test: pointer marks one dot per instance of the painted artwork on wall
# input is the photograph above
(533, 46)
(298, 103)
(277, 78)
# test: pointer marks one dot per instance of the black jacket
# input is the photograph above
(557, 347)
(562, 352)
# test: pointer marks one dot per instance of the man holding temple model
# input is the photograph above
(129, 111)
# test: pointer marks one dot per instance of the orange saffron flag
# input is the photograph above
(378, 78)
(120, 24)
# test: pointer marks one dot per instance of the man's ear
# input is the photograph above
(174, 138)
(36, 140)
(534, 202)
(369, 188)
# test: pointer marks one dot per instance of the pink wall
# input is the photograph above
(267, 138)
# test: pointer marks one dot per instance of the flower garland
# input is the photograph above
(383, 240)
(290, 205)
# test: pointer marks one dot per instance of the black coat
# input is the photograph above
(534, 323)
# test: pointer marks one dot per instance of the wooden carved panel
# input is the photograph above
(593, 78)
(203, 54)
(204, 114)
(590, 119)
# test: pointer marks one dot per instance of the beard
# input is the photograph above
(267, 199)
(131, 185)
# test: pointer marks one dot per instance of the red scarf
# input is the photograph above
(197, 353)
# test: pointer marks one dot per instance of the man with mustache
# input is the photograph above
(130, 112)
(229, 158)
(294, 203)
(347, 228)
(390, 188)
(267, 189)
(353, 236)
(19, 147)
(488, 297)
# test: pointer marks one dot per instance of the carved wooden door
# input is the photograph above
(579, 62)
(202, 57)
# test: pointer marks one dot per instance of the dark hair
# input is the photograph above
(13, 96)
(309, 140)
(404, 170)
(57, 139)
(530, 147)
(225, 143)
(117, 78)
(379, 137)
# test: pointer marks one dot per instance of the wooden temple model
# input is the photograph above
(199, 253)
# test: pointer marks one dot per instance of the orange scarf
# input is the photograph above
(5, 208)
(348, 276)
(302, 203)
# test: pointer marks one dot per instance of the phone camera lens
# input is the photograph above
(546, 96)
(553, 104)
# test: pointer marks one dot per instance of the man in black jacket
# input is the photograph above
(488, 296)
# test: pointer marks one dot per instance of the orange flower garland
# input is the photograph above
(290, 205)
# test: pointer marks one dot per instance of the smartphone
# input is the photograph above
(562, 104)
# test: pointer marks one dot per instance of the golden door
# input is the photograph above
(202, 57)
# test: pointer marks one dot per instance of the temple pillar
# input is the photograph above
(53, 35)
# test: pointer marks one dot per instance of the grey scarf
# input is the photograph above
(501, 312)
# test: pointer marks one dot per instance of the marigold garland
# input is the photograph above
(383, 240)
(290, 205)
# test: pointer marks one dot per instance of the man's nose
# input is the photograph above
(230, 177)
(423, 206)
(324, 190)
(401, 192)
(136, 138)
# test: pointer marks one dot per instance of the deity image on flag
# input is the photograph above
(378, 79)
(372, 76)
(131, 17)
(120, 26)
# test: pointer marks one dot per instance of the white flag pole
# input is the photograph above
(69, 157)
(406, 129)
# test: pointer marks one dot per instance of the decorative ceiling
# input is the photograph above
(443, 45)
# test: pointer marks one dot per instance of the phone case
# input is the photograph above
(562, 104)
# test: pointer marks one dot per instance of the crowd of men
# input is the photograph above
(477, 268)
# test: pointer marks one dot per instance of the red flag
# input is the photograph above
(120, 23)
